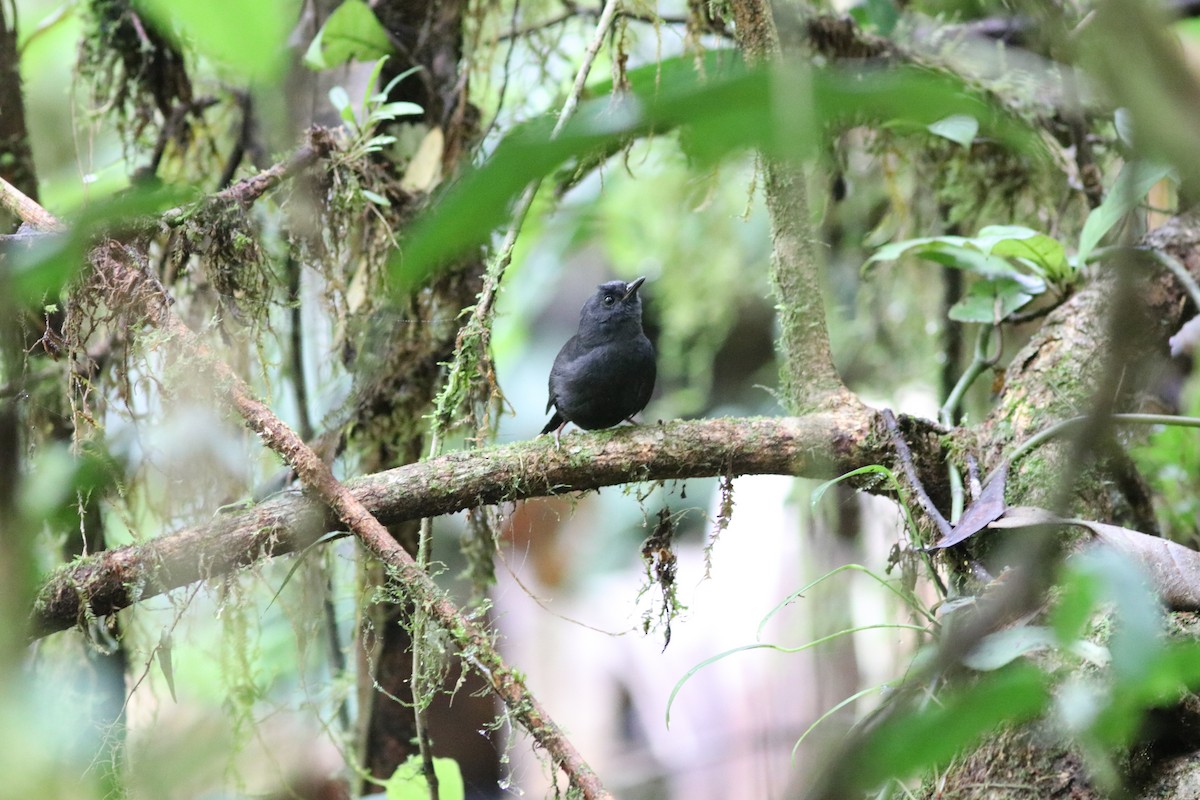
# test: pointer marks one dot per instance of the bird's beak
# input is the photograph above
(631, 289)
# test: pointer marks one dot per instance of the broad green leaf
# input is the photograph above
(1043, 253)
(949, 251)
(1130, 188)
(408, 781)
(990, 301)
(986, 253)
(352, 32)
(785, 114)
(248, 38)
(907, 743)
(960, 128)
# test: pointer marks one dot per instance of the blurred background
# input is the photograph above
(288, 679)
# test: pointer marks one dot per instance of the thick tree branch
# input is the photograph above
(819, 445)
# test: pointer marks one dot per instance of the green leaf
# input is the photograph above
(376, 198)
(990, 301)
(352, 33)
(37, 272)
(785, 113)
(1079, 593)
(986, 254)
(949, 251)
(1005, 646)
(408, 781)
(392, 110)
(1045, 254)
(1128, 191)
(960, 128)
(904, 744)
(248, 38)
(341, 101)
(882, 15)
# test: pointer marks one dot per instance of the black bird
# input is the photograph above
(605, 373)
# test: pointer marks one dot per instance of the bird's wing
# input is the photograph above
(569, 352)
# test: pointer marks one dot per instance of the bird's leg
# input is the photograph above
(557, 434)
(631, 420)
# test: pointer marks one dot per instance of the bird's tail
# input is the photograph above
(554, 423)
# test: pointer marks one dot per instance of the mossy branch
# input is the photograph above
(819, 446)
(808, 378)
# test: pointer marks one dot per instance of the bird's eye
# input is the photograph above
(609, 299)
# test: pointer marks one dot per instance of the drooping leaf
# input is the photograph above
(1130, 188)
(988, 255)
(162, 654)
(1174, 570)
(986, 508)
(784, 113)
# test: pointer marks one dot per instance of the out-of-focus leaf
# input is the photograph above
(1129, 189)
(990, 301)
(1003, 647)
(960, 128)
(163, 654)
(408, 781)
(783, 113)
(1079, 594)
(341, 101)
(882, 15)
(39, 270)
(949, 251)
(352, 32)
(907, 743)
(51, 498)
(248, 38)
(1158, 89)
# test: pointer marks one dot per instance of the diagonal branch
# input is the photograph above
(136, 293)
